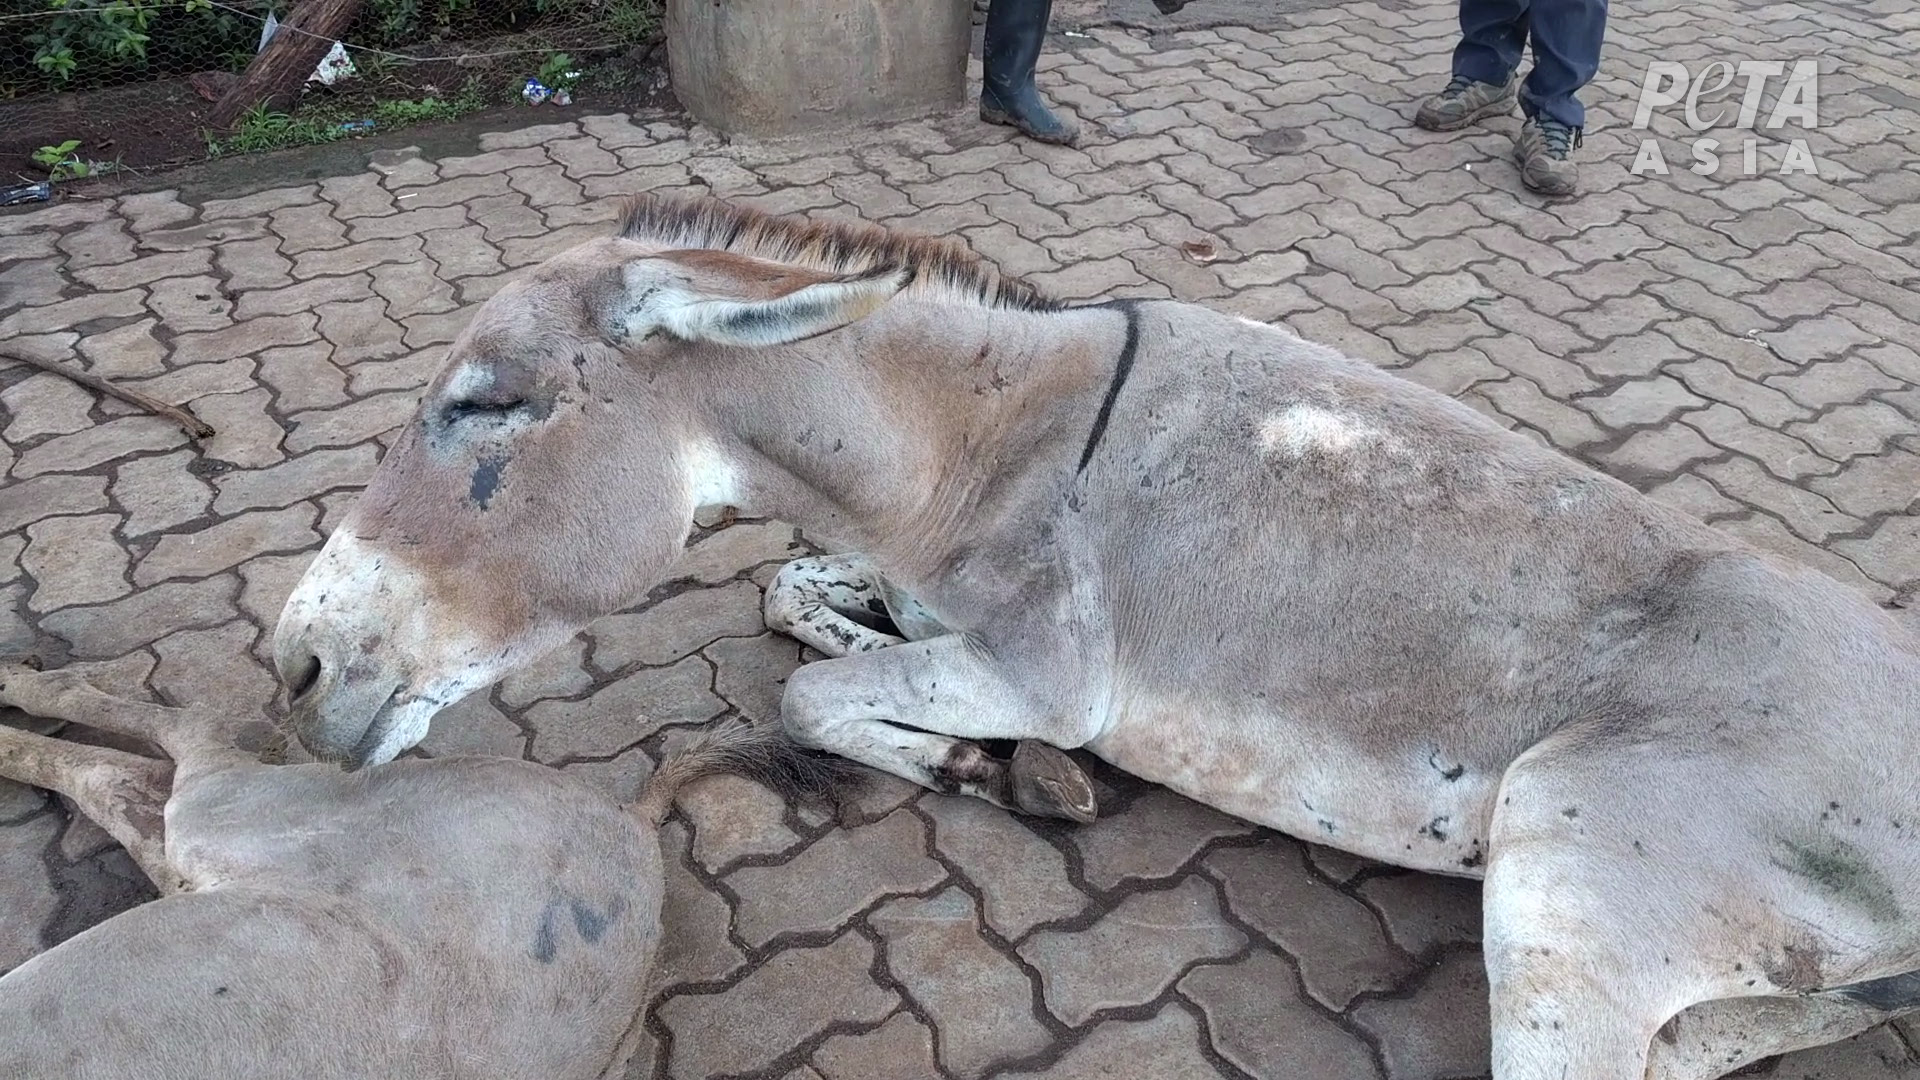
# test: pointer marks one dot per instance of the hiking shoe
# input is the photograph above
(1465, 101)
(1545, 149)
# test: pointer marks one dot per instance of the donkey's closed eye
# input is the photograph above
(462, 410)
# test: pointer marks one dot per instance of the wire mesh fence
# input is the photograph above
(132, 83)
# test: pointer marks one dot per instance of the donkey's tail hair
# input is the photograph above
(758, 751)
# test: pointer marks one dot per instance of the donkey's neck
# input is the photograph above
(889, 435)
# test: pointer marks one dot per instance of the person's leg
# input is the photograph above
(1566, 35)
(1016, 30)
(1493, 35)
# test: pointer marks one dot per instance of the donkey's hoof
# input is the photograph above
(1047, 783)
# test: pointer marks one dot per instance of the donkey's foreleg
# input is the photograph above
(827, 602)
(187, 735)
(946, 690)
(123, 793)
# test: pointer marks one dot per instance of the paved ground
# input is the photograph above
(1740, 346)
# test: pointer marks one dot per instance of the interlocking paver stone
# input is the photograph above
(1022, 879)
(1265, 1030)
(624, 712)
(1166, 1044)
(789, 999)
(1153, 839)
(977, 996)
(1336, 941)
(75, 560)
(1132, 953)
(837, 875)
(103, 631)
(228, 543)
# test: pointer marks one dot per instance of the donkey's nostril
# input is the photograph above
(305, 680)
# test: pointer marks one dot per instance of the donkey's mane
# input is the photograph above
(937, 265)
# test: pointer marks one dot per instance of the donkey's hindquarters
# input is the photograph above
(457, 917)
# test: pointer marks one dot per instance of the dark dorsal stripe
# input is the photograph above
(1121, 369)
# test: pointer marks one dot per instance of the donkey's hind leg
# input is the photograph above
(1714, 1038)
(123, 793)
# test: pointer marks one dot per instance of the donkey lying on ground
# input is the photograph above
(1283, 583)
(455, 918)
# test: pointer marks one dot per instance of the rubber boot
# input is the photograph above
(1016, 29)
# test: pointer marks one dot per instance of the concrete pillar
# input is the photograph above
(768, 68)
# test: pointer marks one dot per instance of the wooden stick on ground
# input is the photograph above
(188, 422)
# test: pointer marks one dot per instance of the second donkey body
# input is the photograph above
(458, 917)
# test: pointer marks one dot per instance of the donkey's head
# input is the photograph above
(554, 467)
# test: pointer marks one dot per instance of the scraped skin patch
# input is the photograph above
(1304, 429)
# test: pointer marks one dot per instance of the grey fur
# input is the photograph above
(452, 919)
(1287, 584)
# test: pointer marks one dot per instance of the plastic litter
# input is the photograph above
(562, 96)
(335, 67)
(26, 193)
(354, 127)
(535, 92)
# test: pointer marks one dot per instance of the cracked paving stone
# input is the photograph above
(734, 818)
(1022, 879)
(364, 419)
(979, 1000)
(1425, 911)
(296, 480)
(26, 892)
(1440, 1031)
(559, 673)
(472, 726)
(1260, 1023)
(1658, 451)
(245, 434)
(98, 445)
(1891, 554)
(1154, 838)
(742, 545)
(751, 673)
(785, 1002)
(1339, 945)
(695, 948)
(228, 543)
(1852, 430)
(120, 626)
(837, 875)
(45, 405)
(26, 501)
(1164, 1047)
(901, 1047)
(269, 580)
(1132, 953)
(1867, 487)
(216, 668)
(75, 560)
(1646, 401)
(623, 712)
(677, 626)
(125, 352)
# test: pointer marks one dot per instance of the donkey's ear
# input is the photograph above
(728, 299)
